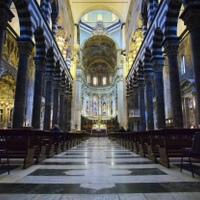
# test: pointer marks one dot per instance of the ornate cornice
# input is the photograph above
(40, 63)
(25, 46)
(157, 64)
(191, 16)
(171, 46)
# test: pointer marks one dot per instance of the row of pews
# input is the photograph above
(33, 146)
(157, 145)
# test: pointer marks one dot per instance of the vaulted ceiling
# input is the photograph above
(81, 7)
(99, 56)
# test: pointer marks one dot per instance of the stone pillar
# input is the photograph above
(30, 91)
(56, 94)
(144, 25)
(69, 108)
(129, 100)
(48, 11)
(62, 93)
(157, 65)
(120, 102)
(25, 48)
(65, 110)
(75, 33)
(123, 35)
(148, 77)
(155, 5)
(151, 13)
(140, 82)
(39, 73)
(6, 15)
(78, 100)
(54, 24)
(42, 6)
(49, 73)
(136, 107)
(191, 17)
(171, 47)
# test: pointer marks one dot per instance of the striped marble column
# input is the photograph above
(148, 77)
(25, 49)
(49, 74)
(140, 83)
(157, 65)
(62, 93)
(56, 94)
(171, 48)
(39, 76)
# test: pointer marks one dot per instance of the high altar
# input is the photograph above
(99, 128)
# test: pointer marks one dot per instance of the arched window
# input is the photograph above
(104, 80)
(88, 79)
(110, 79)
(95, 80)
(182, 64)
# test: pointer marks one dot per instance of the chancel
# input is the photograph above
(120, 79)
(99, 127)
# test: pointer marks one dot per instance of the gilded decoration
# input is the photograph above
(7, 92)
(10, 50)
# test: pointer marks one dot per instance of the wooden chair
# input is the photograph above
(193, 152)
(2, 153)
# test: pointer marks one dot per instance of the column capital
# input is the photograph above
(57, 75)
(148, 76)
(25, 45)
(49, 73)
(140, 82)
(157, 64)
(171, 46)
(191, 16)
(40, 63)
(6, 15)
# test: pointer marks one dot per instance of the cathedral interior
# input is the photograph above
(97, 60)
(99, 67)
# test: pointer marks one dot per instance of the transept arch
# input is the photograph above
(101, 7)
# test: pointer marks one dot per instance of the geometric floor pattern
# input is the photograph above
(98, 169)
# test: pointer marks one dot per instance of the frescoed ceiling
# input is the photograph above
(99, 55)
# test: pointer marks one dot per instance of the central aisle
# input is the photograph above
(99, 169)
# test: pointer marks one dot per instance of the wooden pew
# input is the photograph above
(18, 144)
(153, 142)
(173, 142)
(37, 140)
(143, 139)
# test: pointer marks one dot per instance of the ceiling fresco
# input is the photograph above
(99, 55)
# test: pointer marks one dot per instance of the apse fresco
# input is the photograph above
(99, 59)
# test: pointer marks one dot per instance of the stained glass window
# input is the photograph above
(95, 105)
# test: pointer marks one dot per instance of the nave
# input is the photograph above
(98, 169)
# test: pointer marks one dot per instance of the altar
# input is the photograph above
(99, 129)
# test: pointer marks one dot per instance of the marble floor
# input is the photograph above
(99, 169)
